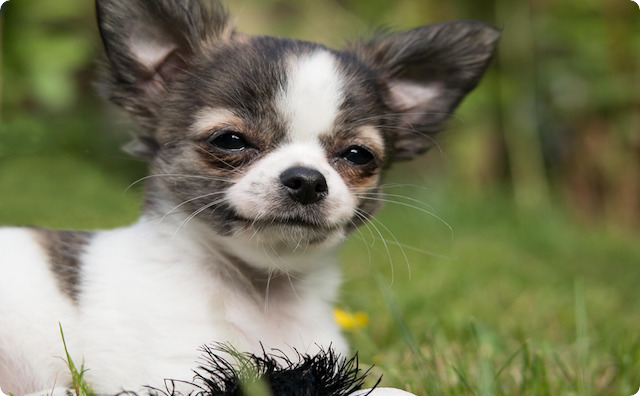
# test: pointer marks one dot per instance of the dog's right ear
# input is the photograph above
(148, 43)
(425, 73)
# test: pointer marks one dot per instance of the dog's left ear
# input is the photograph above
(426, 72)
(148, 45)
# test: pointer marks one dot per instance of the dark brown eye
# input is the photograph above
(228, 141)
(358, 155)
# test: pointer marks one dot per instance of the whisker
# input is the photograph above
(389, 186)
(383, 195)
(398, 116)
(425, 135)
(412, 248)
(176, 175)
(440, 219)
(298, 244)
(293, 288)
(286, 273)
(384, 242)
(422, 251)
(233, 168)
(403, 185)
(362, 238)
(190, 200)
(404, 254)
(194, 214)
(365, 222)
(267, 290)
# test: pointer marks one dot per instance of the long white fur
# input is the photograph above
(31, 306)
(154, 292)
(150, 298)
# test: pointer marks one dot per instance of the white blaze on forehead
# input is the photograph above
(311, 99)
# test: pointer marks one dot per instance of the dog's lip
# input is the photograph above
(285, 221)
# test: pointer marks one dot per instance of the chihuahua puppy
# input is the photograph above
(261, 152)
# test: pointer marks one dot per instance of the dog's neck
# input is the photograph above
(255, 267)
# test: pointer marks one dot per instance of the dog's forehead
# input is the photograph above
(310, 100)
(286, 89)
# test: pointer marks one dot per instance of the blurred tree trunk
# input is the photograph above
(601, 177)
(518, 102)
(624, 202)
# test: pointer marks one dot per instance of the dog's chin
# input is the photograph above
(290, 233)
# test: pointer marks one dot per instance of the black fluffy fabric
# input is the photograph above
(323, 374)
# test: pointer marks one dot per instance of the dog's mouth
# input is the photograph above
(284, 222)
(289, 232)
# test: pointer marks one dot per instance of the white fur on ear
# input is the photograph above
(150, 47)
(413, 97)
(149, 44)
(427, 72)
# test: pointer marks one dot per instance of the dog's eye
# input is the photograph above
(358, 155)
(228, 140)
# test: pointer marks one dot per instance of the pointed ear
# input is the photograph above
(426, 72)
(148, 43)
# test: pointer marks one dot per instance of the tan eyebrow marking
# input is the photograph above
(210, 118)
(373, 137)
(367, 135)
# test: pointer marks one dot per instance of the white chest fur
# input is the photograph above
(149, 299)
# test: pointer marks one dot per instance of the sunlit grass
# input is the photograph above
(497, 301)
(518, 303)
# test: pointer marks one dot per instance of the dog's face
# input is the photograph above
(282, 137)
(278, 141)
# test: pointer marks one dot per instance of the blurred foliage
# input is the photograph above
(46, 49)
(557, 118)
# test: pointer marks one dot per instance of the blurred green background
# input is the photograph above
(505, 263)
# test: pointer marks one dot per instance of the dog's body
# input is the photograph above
(152, 299)
(264, 154)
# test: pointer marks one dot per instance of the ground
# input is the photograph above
(469, 295)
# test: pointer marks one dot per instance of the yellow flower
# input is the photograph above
(350, 321)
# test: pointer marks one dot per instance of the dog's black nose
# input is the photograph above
(305, 185)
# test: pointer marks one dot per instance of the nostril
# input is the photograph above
(304, 185)
(321, 186)
(294, 183)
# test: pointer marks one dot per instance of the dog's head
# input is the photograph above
(274, 140)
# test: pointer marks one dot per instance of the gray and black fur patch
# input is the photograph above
(168, 61)
(65, 249)
(449, 57)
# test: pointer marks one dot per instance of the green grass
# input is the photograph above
(515, 303)
(505, 302)
(78, 383)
